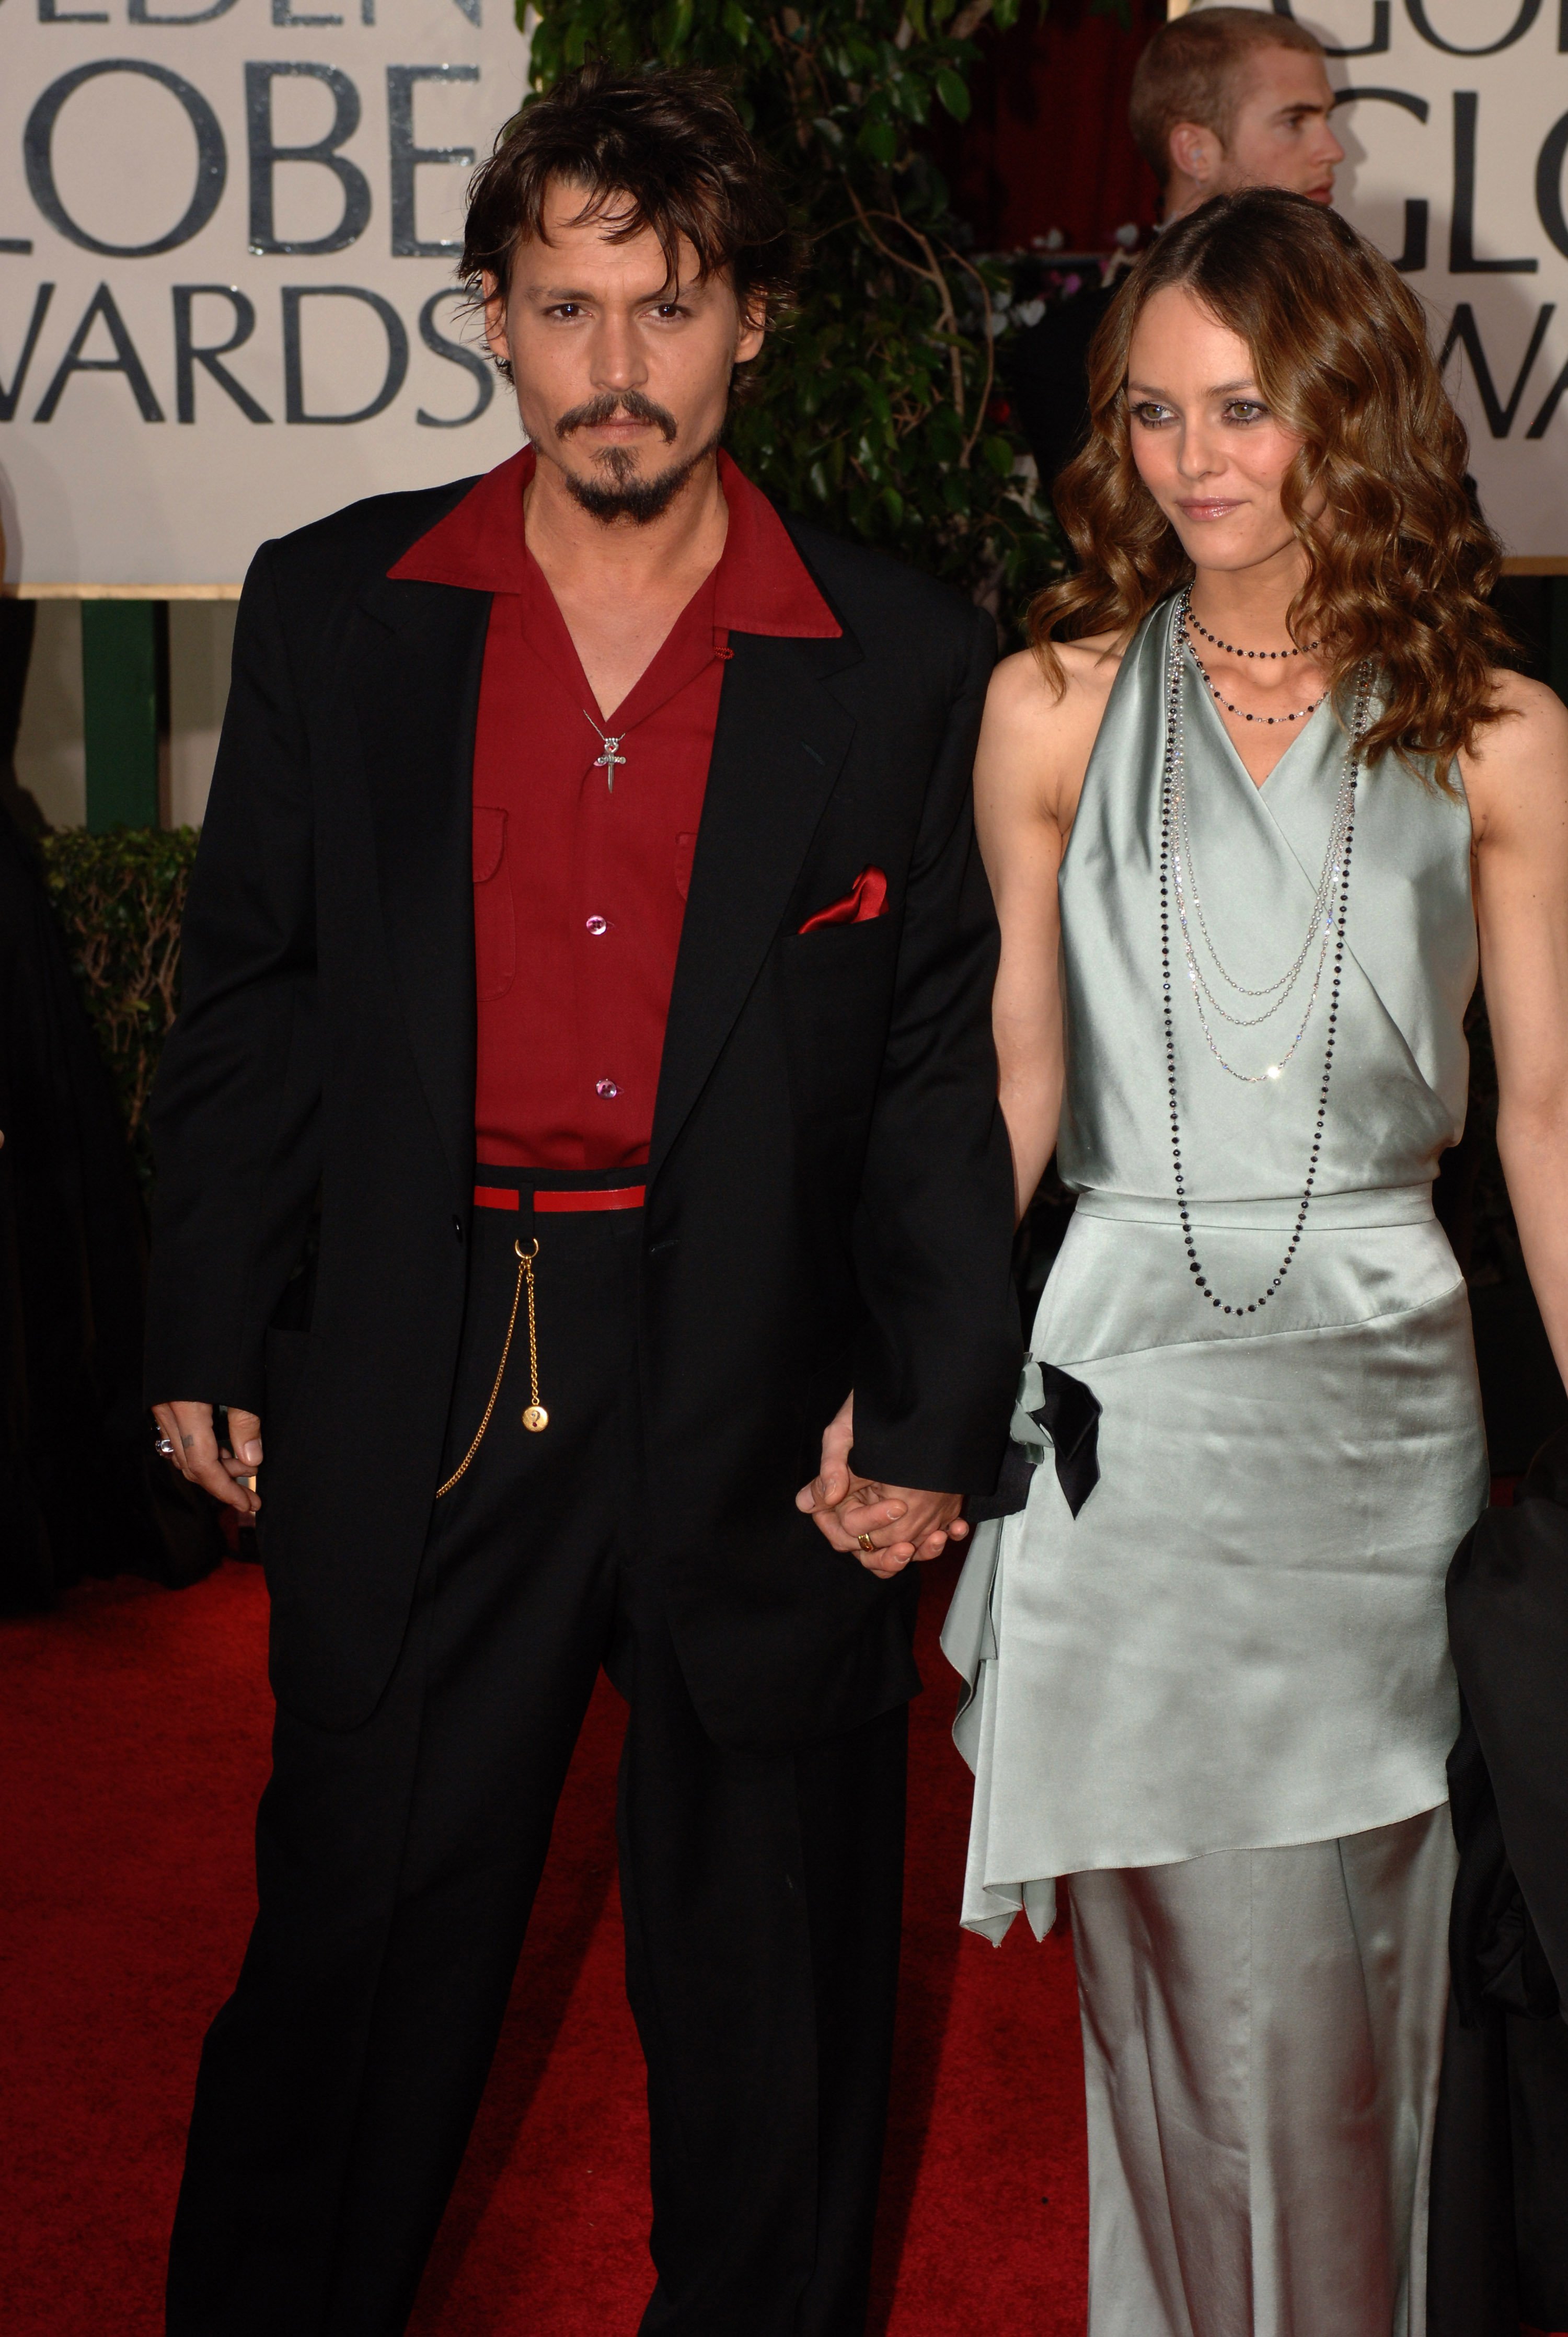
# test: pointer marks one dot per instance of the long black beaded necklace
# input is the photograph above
(1170, 775)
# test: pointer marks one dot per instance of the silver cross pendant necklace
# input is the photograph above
(611, 757)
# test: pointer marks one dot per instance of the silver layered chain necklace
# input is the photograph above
(1326, 927)
(1321, 923)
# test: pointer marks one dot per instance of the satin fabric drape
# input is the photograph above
(1239, 1642)
(1261, 2038)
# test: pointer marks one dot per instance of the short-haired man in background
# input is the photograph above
(588, 938)
(1222, 98)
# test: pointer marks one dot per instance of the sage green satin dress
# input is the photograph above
(1238, 1643)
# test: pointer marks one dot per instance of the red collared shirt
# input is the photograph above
(579, 885)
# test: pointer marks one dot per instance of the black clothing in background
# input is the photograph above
(1048, 373)
(1499, 2234)
(830, 1184)
(397, 1861)
(81, 1493)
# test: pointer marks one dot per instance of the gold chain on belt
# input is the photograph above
(534, 1416)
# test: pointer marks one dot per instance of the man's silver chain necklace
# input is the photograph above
(611, 757)
(1178, 883)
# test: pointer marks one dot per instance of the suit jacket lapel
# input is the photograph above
(780, 742)
(417, 686)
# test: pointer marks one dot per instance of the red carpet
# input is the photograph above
(132, 1746)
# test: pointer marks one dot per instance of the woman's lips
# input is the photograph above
(1213, 507)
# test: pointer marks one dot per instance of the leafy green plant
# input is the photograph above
(120, 897)
(874, 408)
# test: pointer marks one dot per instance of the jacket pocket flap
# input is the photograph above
(489, 841)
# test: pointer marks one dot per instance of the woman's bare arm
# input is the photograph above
(1034, 750)
(1517, 782)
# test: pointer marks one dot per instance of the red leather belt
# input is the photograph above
(547, 1203)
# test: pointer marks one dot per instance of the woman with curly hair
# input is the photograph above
(1246, 806)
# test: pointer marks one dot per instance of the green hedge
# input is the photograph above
(875, 408)
(120, 897)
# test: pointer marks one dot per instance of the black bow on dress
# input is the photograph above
(1069, 1414)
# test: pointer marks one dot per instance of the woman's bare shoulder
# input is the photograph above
(1519, 763)
(1531, 726)
(1037, 738)
(1531, 703)
(1023, 695)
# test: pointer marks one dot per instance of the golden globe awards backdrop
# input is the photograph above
(227, 235)
(226, 232)
(1454, 115)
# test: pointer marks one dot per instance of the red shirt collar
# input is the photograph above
(761, 584)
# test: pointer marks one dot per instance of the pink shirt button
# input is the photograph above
(605, 1088)
(598, 925)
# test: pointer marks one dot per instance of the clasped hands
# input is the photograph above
(899, 1522)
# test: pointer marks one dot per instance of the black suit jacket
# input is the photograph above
(829, 1194)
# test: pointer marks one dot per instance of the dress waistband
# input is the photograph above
(1389, 1204)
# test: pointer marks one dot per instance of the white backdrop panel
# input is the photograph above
(207, 338)
(160, 294)
(1455, 150)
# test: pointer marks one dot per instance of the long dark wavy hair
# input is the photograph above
(1400, 564)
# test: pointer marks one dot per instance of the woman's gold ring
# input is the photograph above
(865, 1541)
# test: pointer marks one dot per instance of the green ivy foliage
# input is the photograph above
(874, 407)
(120, 897)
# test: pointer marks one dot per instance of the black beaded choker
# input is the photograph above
(1231, 649)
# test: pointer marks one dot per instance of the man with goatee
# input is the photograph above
(583, 1081)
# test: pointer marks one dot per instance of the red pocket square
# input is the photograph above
(867, 899)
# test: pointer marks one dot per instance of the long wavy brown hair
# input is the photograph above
(1399, 564)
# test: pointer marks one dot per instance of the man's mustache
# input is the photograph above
(606, 407)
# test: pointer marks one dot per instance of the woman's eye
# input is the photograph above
(1150, 414)
(1245, 409)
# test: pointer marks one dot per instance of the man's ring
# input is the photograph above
(162, 1444)
(865, 1541)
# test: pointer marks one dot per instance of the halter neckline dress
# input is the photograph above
(1239, 1641)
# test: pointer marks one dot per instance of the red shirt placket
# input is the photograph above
(580, 889)
(603, 952)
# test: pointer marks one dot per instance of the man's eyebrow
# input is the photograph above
(569, 292)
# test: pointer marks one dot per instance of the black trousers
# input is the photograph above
(397, 1865)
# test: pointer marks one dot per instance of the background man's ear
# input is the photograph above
(1196, 152)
